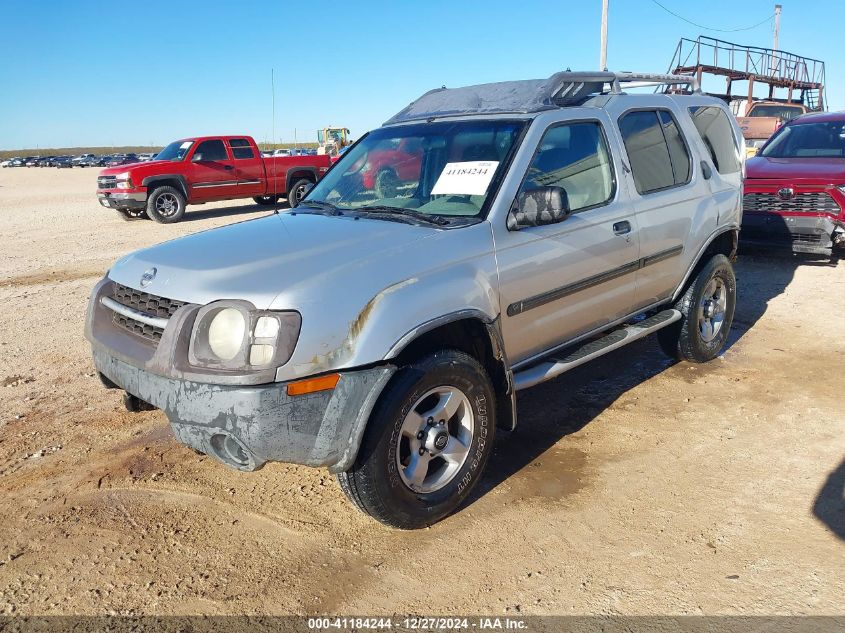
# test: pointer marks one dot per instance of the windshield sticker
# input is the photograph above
(185, 145)
(469, 178)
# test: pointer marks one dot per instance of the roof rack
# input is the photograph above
(531, 95)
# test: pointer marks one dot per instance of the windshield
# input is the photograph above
(177, 150)
(429, 169)
(783, 112)
(807, 140)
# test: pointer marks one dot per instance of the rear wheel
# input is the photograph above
(266, 201)
(426, 443)
(708, 309)
(387, 183)
(166, 205)
(297, 191)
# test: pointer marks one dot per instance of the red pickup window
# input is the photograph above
(241, 148)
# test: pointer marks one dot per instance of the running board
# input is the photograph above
(586, 352)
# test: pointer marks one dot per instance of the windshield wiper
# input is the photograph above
(405, 213)
(320, 204)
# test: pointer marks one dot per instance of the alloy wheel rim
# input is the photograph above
(167, 204)
(712, 309)
(434, 439)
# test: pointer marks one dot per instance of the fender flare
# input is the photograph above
(734, 230)
(150, 181)
(506, 397)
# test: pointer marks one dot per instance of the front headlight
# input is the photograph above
(123, 181)
(234, 335)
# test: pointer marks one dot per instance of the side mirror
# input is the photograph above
(538, 207)
(197, 158)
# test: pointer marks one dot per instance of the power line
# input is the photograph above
(708, 28)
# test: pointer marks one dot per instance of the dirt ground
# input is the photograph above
(633, 485)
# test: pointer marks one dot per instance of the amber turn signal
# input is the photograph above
(323, 383)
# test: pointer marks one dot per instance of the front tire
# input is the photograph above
(708, 308)
(296, 192)
(426, 443)
(166, 205)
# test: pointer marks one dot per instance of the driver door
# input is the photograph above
(212, 175)
(560, 280)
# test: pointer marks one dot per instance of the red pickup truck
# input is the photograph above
(206, 169)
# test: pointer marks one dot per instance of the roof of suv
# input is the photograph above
(818, 117)
(526, 96)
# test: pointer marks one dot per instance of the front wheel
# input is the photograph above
(708, 308)
(297, 191)
(166, 205)
(426, 443)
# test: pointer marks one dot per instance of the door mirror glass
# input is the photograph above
(538, 207)
(197, 158)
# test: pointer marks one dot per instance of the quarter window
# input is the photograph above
(241, 148)
(656, 149)
(574, 157)
(212, 150)
(715, 129)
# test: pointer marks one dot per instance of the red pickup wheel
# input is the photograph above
(166, 205)
(297, 191)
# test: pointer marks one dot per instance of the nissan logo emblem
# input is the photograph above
(147, 277)
(440, 441)
(786, 193)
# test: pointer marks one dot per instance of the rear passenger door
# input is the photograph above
(249, 168)
(670, 198)
(561, 280)
(212, 176)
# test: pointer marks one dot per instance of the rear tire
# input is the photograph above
(166, 205)
(266, 201)
(297, 191)
(387, 184)
(708, 308)
(413, 470)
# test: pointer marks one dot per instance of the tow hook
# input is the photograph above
(135, 404)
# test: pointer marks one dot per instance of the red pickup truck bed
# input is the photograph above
(206, 169)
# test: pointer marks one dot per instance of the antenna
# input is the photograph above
(273, 141)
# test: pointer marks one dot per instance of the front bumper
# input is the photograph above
(246, 426)
(122, 200)
(800, 234)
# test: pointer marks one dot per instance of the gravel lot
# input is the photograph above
(633, 485)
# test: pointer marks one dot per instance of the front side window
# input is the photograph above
(807, 140)
(658, 154)
(211, 150)
(241, 148)
(574, 157)
(715, 129)
(446, 168)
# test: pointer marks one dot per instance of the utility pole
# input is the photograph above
(603, 57)
(776, 57)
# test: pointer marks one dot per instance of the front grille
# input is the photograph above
(106, 182)
(150, 304)
(816, 202)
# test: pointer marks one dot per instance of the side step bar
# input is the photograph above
(586, 352)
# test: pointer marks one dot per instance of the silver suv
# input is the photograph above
(485, 239)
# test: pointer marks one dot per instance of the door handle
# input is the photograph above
(705, 170)
(228, 167)
(621, 228)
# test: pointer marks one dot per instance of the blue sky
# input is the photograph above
(85, 73)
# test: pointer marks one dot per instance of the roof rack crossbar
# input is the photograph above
(574, 86)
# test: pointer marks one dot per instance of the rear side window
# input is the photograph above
(212, 150)
(656, 149)
(575, 157)
(715, 129)
(241, 148)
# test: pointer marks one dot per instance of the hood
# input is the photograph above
(829, 171)
(258, 259)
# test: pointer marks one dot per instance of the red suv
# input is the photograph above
(795, 187)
